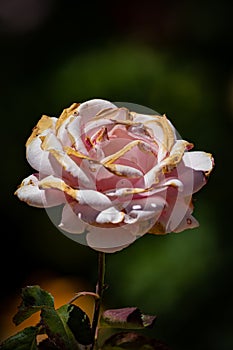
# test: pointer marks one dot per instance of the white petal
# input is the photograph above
(168, 164)
(124, 170)
(37, 157)
(30, 193)
(94, 199)
(174, 183)
(96, 124)
(76, 132)
(64, 160)
(50, 141)
(110, 215)
(70, 222)
(89, 109)
(62, 133)
(162, 129)
(199, 161)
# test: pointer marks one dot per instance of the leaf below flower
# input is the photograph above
(126, 318)
(34, 299)
(67, 326)
(23, 340)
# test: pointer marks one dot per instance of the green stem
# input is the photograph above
(99, 292)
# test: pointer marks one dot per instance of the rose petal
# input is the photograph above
(63, 134)
(94, 199)
(124, 170)
(192, 180)
(109, 240)
(110, 215)
(142, 209)
(91, 198)
(66, 113)
(199, 161)
(30, 193)
(45, 124)
(181, 215)
(36, 157)
(163, 132)
(114, 113)
(76, 132)
(71, 222)
(168, 164)
(188, 222)
(51, 144)
(50, 141)
(89, 109)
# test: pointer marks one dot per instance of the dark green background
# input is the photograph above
(173, 57)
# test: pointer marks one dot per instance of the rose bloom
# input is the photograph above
(118, 174)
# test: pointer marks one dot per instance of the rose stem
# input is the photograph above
(99, 292)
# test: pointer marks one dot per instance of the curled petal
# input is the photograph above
(45, 124)
(129, 146)
(123, 192)
(124, 170)
(36, 156)
(50, 141)
(89, 109)
(30, 193)
(173, 182)
(91, 198)
(110, 215)
(51, 144)
(162, 130)
(66, 113)
(117, 114)
(63, 134)
(198, 160)
(168, 164)
(94, 199)
(76, 133)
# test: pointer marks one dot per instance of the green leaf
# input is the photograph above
(79, 323)
(126, 318)
(57, 329)
(133, 341)
(23, 340)
(34, 299)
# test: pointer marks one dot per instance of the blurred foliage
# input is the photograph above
(171, 57)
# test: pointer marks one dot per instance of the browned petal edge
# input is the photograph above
(61, 186)
(158, 229)
(168, 131)
(44, 123)
(66, 113)
(72, 152)
(175, 157)
(207, 173)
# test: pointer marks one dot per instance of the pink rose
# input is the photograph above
(118, 174)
